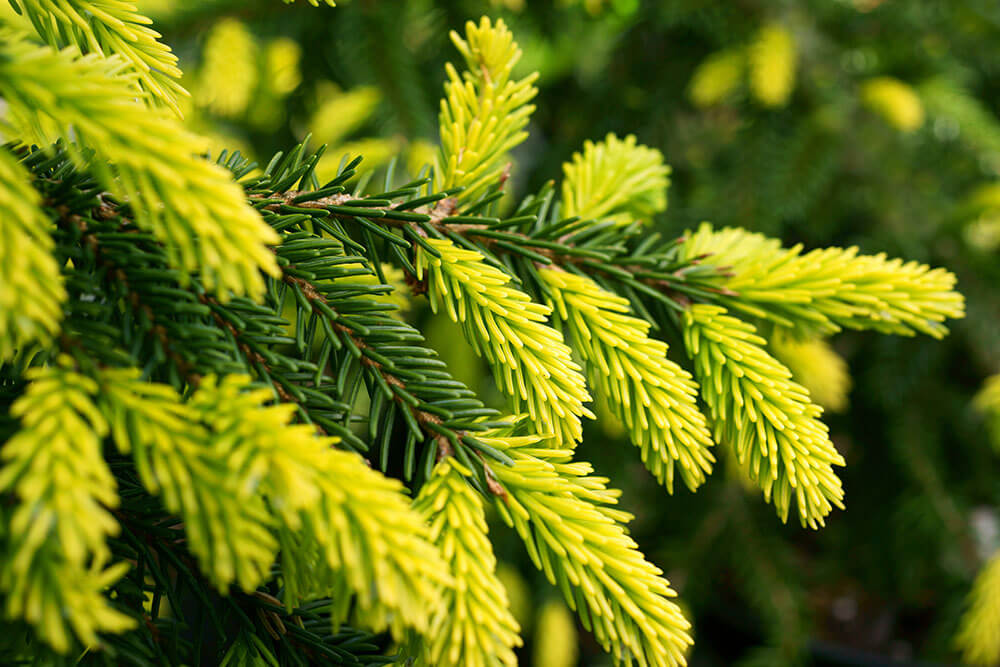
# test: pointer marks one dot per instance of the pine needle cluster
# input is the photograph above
(222, 441)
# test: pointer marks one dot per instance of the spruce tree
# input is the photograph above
(222, 443)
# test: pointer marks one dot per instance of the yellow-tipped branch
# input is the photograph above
(108, 28)
(767, 419)
(54, 569)
(530, 361)
(652, 395)
(31, 290)
(615, 179)
(197, 474)
(561, 512)
(474, 626)
(346, 529)
(144, 157)
(484, 111)
(826, 289)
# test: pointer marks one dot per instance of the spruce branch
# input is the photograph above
(561, 513)
(474, 626)
(55, 565)
(109, 28)
(484, 111)
(197, 472)
(142, 156)
(31, 290)
(532, 364)
(768, 420)
(617, 180)
(825, 289)
(651, 394)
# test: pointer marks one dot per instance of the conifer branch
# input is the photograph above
(31, 290)
(109, 28)
(561, 513)
(198, 473)
(617, 180)
(766, 418)
(826, 289)
(652, 395)
(474, 626)
(355, 520)
(54, 567)
(142, 156)
(531, 363)
(484, 111)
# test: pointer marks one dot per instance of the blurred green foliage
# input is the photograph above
(846, 122)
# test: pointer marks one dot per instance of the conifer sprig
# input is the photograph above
(55, 565)
(977, 636)
(615, 179)
(651, 394)
(142, 156)
(531, 363)
(31, 291)
(768, 420)
(474, 625)
(826, 289)
(198, 472)
(562, 513)
(369, 542)
(109, 28)
(484, 111)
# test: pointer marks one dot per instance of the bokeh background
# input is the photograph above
(823, 122)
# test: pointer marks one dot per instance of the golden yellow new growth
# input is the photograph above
(979, 634)
(615, 179)
(474, 626)
(54, 565)
(484, 112)
(143, 156)
(530, 361)
(31, 290)
(562, 513)
(768, 419)
(651, 394)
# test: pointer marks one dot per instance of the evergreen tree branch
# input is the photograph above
(531, 363)
(561, 513)
(484, 111)
(474, 626)
(826, 289)
(198, 473)
(652, 395)
(55, 568)
(142, 156)
(31, 290)
(763, 415)
(617, 180)
(108, 28)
